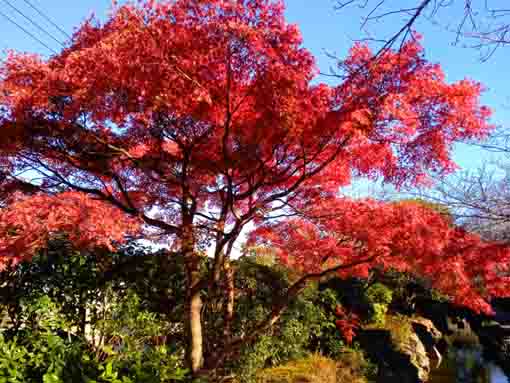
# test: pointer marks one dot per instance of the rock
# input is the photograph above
(418, 356)
(403, 362)
(426, 325)
(430, 336)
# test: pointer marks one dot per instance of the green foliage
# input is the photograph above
(58, 272)
(45, 352)
(158, 278)
(259, 285)
(117, 318)
(379, 293)
(379, 296)
(327, 339)
(307, 326)
(379, 313)
(133, 352)
(107, 325)
(48, 352)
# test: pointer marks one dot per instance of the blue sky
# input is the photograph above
(323, 28)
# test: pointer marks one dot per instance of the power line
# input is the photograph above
(28, 33)
(42, 14)
(33, 22)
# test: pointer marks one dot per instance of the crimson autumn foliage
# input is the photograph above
(347, 323)
(221, 90)
(28, 223)
(407, 237)
(196, 117)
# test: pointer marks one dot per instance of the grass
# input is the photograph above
(351, 367)
(314, 369)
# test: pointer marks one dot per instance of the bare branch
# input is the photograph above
(483, 27)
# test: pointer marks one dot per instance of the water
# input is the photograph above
(466, 365)
(497, 375)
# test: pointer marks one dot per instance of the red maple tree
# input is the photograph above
(194, 118)
(350, 237)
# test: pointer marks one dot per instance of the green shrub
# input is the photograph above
(379, 293)
(132, 355)
(379, 311)
(290, 340)
(45, 349)
(379, 296)
(307, 326)
(45, 352)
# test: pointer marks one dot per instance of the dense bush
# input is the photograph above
(379, 296)
(81, 317)
(307, 327)
(48, 351)
(44, 352)
(117, 318)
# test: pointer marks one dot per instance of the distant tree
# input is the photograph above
(183, 121)
(481, 24)
(478, 200)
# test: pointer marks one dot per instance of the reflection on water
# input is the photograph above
(467, 365)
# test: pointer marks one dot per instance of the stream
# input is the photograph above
(466, 365)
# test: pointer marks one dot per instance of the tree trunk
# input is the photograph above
(82, 312)
(195, 338)
(229, 304)
(193, 304)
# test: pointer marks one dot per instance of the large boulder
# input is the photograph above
(418, 356)
(402, 359)
(430, 336)
(427, 328)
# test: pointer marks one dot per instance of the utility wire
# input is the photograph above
(33, 23)
(28, 33)
(42, 14)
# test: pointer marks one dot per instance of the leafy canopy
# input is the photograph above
(204, 112)
(351, 237)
